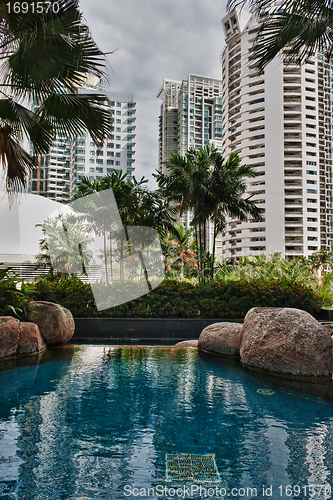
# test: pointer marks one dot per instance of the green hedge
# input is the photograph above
(175, 299)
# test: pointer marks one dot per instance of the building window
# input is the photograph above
(118, 112)
(118, 104)
(110, 162)
(118, 121)
(100, 162)
(117, 162)
(118, 155)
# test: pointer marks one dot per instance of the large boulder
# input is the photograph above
(30, 340)
(221, 338)
(56, 323)
(287, 341)
(9, 336)
(187, 343)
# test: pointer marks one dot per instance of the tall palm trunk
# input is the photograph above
(105, 259)
(200, 246)
(111, 264)
(196, 246)
(204, 250)
(213, 254)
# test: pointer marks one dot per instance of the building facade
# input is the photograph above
(190, 117)
(69, 160)
(279, 121)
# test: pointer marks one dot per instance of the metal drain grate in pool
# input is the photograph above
(188, 467)
(267, 392)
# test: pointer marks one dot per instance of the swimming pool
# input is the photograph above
(99, 422)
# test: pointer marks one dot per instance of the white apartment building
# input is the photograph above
(71, 159)
(190, 117)
(55, 176)
(279, 121)
(95, 160)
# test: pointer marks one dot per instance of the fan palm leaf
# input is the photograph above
(44, 59)
(298, 27)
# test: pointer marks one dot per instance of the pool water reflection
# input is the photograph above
(103, 418)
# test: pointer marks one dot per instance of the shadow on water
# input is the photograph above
(322, 390)
(23, 376)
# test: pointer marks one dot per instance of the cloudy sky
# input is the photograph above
(155, 39)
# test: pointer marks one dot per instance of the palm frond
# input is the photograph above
(22, 119)
(74, 113)
(16, 162)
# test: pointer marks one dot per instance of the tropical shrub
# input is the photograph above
(175, 299)
(13, 300)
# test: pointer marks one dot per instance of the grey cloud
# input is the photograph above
(155, 40)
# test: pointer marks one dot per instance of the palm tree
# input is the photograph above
(62, 236)
(321, 261)
(137, 207)
(45, 58)
(300, 27)
(186, 183)
(181, 240)
(213, 188)
(227, 190)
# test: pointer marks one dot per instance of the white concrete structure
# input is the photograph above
(280, 122)
(20, 226)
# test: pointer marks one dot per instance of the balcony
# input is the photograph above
(293, 145)
(296, 117)
(290, 108)
(290, 183)
(292, 90)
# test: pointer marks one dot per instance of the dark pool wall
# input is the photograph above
(133, 329)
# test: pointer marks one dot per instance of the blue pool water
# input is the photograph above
(98, 422)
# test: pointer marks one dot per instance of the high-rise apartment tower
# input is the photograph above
(279, 121)
(69, 160)
(190, 117)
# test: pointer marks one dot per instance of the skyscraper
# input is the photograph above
(190, 117)
(280, 122)
(71, 159)
(117, 152)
